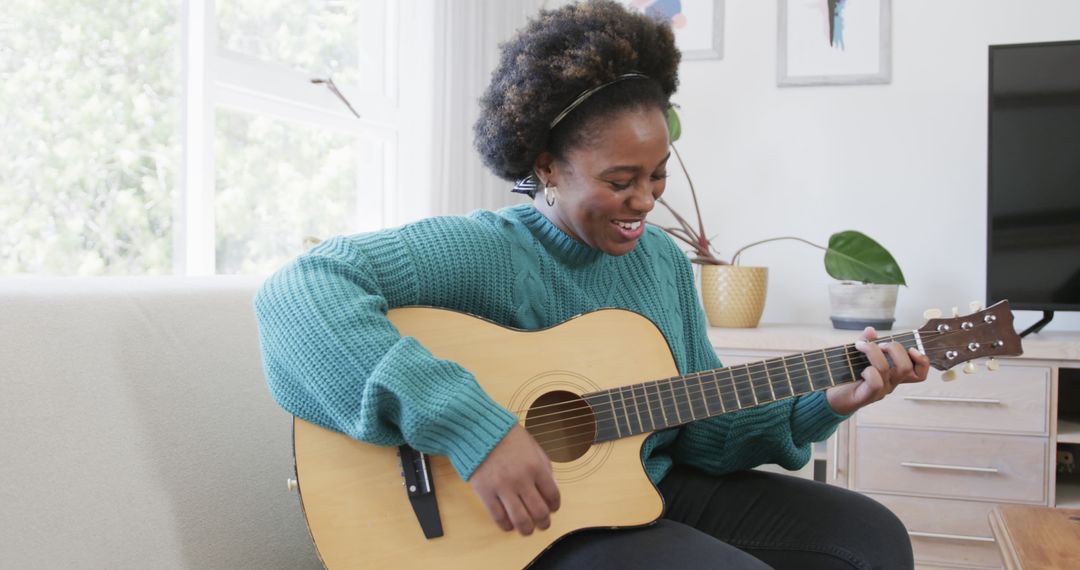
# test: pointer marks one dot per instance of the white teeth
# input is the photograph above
(628, 226)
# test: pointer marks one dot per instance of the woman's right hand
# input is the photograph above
(516, 484)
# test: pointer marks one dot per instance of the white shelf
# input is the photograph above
(1068, 430)
(1068, 496)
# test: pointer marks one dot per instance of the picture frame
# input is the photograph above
(834, 42)
(698, 24)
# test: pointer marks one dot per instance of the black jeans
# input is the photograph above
(746, 520)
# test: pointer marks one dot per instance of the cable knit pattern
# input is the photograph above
(332, 357)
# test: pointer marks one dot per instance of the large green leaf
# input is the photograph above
(674, 125)
(854, 256)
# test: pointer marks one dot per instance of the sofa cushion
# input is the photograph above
(138, 431)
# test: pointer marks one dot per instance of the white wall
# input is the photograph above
(904, 162)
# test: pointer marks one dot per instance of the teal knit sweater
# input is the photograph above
(332, 357)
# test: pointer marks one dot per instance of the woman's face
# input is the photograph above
(607, 185)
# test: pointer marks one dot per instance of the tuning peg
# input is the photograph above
(992, 364)
(949, 375)
(931, 313)
(969, 368)
(956, 311)
(975, 306)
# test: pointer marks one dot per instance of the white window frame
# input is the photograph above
(216, 79)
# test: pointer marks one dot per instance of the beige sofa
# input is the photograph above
(136, 430)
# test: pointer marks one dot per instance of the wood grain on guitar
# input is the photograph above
(590, 391)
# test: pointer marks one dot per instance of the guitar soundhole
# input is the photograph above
(563, 424)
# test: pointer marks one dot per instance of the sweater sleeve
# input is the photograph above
(781, 432)
(332, 357)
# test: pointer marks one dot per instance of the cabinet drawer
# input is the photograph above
(945, 531)
(1008, 468)
(1012, 399)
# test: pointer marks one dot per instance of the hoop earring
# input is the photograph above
(550, 193)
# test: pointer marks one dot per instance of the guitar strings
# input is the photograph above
(623, 428)
(584, 434)
(740, 375)
(606, 413)
(844, 350)
(704, 388)
(819, 363)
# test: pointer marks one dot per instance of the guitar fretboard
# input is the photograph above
(659, 404)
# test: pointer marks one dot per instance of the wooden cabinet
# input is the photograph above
(942, 454)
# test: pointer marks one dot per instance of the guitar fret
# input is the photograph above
(746, 388)
(809, 376)
(689, 400)
(637, 411)
(860, 361)
(648, 405)
(660, 404)
(768, 379)
(614, 414)
(837, 366)
(761, 388)
(732, 395)
(684, 401)
(698, 405)
(828, 374)
(847, 356)
(626, 412)
(719, 393)
(776, 369)
(787, 374)
(750, 379)
(679, 403)
(673, 402)
(704, 398)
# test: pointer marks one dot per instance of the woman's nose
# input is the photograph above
(643, 199)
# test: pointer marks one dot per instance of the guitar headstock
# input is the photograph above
(955, 340)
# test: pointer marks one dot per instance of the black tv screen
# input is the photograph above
(1033, 246)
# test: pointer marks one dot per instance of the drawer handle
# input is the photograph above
(949, 467)
(990, 401)
(950, 536)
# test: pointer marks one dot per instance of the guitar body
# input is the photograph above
(357, 509)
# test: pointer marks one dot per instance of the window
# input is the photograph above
(142, 137)
(279, 182)
(89, 146)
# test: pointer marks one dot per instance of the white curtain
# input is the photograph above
(471, 31)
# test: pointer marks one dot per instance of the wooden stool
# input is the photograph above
(1040, 538)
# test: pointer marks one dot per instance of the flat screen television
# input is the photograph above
(1033, 225)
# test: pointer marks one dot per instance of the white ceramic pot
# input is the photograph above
(859, 305)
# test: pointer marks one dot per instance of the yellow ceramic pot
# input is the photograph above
(733, 295)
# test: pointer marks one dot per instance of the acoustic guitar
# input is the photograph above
(590, 391)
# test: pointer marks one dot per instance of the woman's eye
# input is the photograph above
(660, 176)
(620, 185)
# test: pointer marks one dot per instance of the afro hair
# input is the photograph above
(554, 59)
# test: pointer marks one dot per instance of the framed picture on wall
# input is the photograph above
(698, 24)
(834, 42)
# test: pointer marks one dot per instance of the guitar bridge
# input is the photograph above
(420, 487)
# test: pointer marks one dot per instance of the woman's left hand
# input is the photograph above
(879, 379)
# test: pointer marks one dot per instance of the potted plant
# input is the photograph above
(734, 296)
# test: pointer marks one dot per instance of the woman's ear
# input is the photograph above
(544, 168)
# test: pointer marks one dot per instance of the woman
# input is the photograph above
(575, 114)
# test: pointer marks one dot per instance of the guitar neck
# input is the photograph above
(659, 404)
